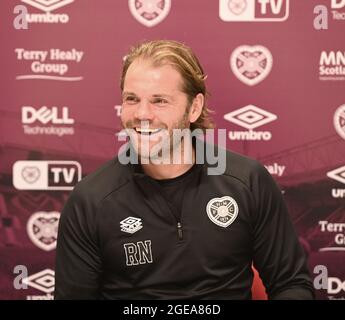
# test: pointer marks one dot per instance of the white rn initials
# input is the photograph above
(138, 253)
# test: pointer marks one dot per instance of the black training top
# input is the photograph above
(119, 237)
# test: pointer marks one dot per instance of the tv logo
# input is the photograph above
(45, 115)
(46, 175)
(253, 10)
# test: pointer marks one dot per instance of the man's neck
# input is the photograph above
(168, 171)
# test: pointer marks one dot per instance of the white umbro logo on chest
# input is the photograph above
(131, 224)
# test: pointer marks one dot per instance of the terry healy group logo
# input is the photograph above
(53, 64)
(47, 6)
(42, 229)
(251, 64)
(46, 175)
(250, 117)
(336, 230)
(149, 12)
(47, 121)
(253, 10)
(332, 66)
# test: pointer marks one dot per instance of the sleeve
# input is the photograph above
(78, 264)
(278, 256)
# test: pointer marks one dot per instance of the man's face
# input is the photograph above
(153, 104)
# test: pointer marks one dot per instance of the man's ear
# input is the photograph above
(196, 107)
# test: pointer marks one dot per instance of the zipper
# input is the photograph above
(179, 230)
(164, 202)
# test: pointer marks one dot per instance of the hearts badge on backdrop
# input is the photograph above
(237, 7)
(251, 64)
(42, 229)
(31, 174)
(339, 121)
(149, 12)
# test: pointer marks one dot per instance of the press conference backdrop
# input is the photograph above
(276, 74)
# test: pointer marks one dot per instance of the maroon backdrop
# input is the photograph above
(276, 74)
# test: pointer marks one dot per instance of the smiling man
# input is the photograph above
(165, 229)
(158, 106)
(154, 106)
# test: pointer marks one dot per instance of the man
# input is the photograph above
(163, 229)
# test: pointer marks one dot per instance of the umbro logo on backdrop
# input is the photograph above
(250, 117)
(48, 5)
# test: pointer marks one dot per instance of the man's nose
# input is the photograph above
(144, 111)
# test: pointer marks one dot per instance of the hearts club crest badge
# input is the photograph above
(222, 211)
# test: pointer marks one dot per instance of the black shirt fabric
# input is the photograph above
(119, 239)
(173, 190)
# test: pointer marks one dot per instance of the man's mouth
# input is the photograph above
(147, 131)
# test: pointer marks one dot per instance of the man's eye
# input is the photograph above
(160, 101)
(130, 99)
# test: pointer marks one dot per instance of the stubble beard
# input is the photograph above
(170, 143)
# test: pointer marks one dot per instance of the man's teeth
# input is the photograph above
(146, 130)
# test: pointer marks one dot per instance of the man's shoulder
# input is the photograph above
(107, 178)
(241, 167)
(238, 164)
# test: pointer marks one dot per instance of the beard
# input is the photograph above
(162, 147)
